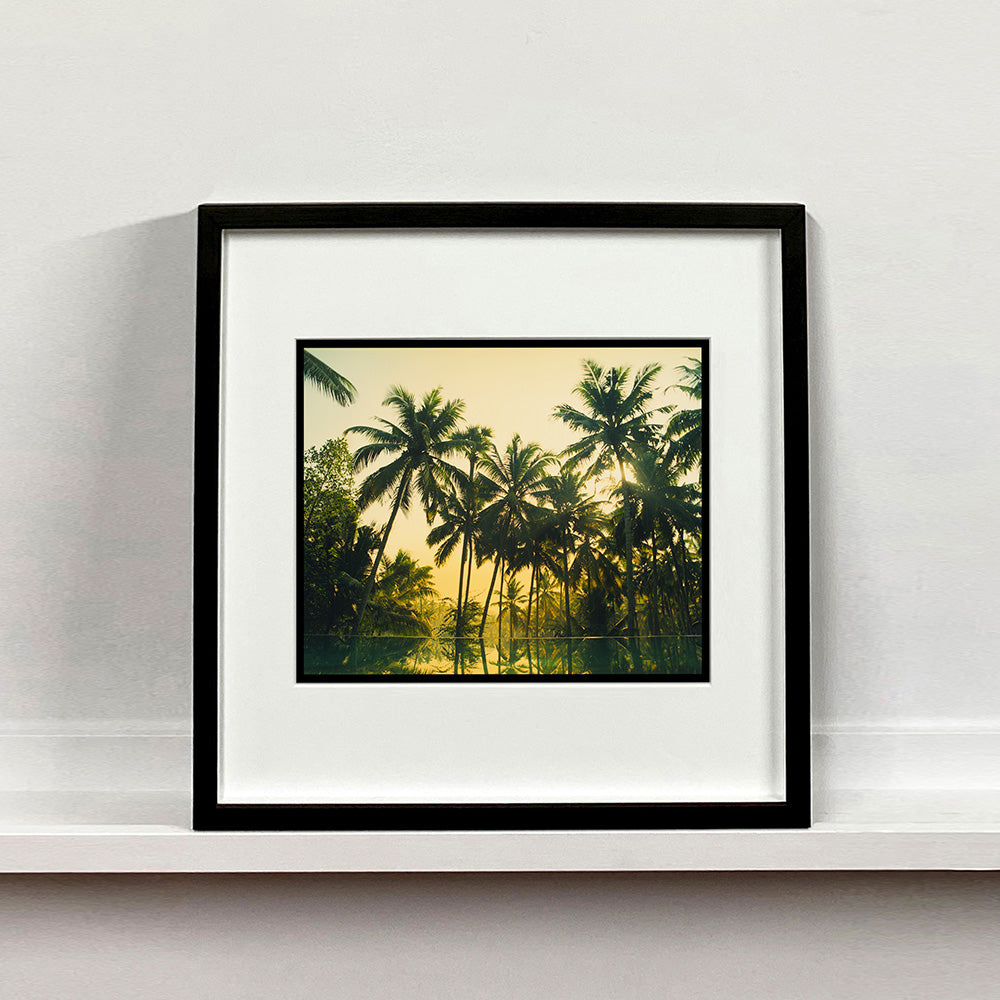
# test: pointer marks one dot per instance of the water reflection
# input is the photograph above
(536, 655)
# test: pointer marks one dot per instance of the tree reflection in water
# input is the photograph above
(326, 655)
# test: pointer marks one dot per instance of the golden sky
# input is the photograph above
(511, 389)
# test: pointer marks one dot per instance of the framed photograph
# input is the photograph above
(501, 517)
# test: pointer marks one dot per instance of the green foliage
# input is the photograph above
(339, 555)
(328, 485)
(546, 613)
(333, 550)
(397, 606)
(451, 626)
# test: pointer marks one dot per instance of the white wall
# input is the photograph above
(880, 115)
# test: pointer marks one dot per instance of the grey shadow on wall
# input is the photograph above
(116, 653)
(117, 657)
(822, 478)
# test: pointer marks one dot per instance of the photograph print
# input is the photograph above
(503, 510)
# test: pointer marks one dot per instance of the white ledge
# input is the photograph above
(155, 849)
(943, 831)
(899, 799)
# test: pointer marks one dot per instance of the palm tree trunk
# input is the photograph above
(458, 609)
(466, 541)
(538, 601)
(493, 580)
(463, 585)
(654, 594)
(461, 581)
(629, 587)
(657, 639)
(489, 597)
(527, 616)
(378, 559)
(510, 611)
(569, 624)
(500, 610)
(682, 548)
(468, 577)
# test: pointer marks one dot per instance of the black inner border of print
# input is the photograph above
(578, 345)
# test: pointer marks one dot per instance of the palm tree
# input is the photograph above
(667, 505)
(548, 599)
(417, 444)
(684, 428)
(537, 553)
(573, 513)
(513, 481)
(475, 442)
(594, 564)
(615, 427)
(320, 375)
(455, 517)
(515, 599)
(454, 520)
(402, 584)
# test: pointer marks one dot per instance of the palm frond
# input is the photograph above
(691, 382)
(380, 483)
(448, 541)
(368, 453)
(642, 388)
(577, 420)
(319, 374)
(400, 398)
(683, 421)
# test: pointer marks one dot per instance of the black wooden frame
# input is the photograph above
(789, 221)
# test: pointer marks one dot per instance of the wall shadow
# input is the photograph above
(114, 648)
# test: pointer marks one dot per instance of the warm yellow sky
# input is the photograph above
(511, 389)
